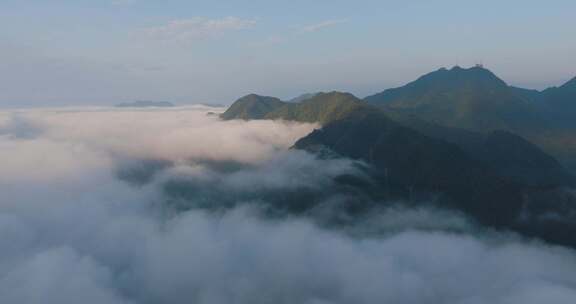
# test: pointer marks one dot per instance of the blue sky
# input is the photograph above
(108, 51)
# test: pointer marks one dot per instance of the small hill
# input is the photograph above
(252, 107)
(321, 108)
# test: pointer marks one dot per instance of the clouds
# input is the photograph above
(171, 134)
(70, 231)
(255, 262)
(198, 28)
(322, 25)
(59, 275)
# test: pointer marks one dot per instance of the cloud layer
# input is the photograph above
(71, 232)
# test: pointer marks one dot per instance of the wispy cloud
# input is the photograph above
(324, 24)
(186, 30)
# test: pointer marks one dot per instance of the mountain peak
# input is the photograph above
(472, 98)
(253, 96)
(474, 70)
(336, 94)
(476, 76)
(252, 106)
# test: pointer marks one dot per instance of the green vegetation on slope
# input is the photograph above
(473, 99)
(322, 108)
(252, 107)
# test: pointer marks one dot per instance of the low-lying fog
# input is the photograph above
(72, 231)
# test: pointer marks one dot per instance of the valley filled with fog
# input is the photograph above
(108, 205)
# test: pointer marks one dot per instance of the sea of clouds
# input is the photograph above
(72, 231)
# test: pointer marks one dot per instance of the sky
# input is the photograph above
(102, 52)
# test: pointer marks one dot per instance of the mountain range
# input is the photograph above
(461, 138)
(145, 104)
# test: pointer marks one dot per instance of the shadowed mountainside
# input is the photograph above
(411, 166)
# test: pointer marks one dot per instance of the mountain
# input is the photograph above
(475, 99)
(509, 155)
(496, 177)
(413, 167)
(252, 107)
(554, 100)
(408, 162)
(302, 97)
(145, 104)
(472, 98)
(321, 108)
(505, 154)
(561, 101)
(529, 95)
(567, 91)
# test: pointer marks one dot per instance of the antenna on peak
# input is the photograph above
(479, 65)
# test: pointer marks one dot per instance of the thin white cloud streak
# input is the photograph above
(83, 236)
(198, 28)
(322, 25)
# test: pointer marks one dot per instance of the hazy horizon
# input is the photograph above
(110, 51)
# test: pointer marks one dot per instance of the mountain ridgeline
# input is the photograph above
(450, 139)
(321, 108)
(560, 101)
(252, 107)
(473, 99)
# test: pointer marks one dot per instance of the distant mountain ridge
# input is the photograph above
(145, 104)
